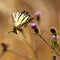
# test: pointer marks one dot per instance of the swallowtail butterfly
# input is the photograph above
(20, 19)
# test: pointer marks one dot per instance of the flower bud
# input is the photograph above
(53, 31)
(34, 26)
(37, 14)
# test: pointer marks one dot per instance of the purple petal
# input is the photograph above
(53, 37)
(33, 25)
(58, 37)
(37, 13)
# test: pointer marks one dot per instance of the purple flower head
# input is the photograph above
(58, 37)
(33, 25)
(53, 37)
(38, 13)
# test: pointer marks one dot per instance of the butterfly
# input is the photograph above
(20, 20)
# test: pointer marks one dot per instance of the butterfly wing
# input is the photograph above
(20, 19)
(26, 18)
(15, 16)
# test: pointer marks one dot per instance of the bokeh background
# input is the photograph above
(50, 17)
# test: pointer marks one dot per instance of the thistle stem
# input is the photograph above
(48, 44)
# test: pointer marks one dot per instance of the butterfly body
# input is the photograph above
(16, 30)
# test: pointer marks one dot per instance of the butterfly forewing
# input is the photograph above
(15, 16)
(21, 18)
(18, 22)
(25, 20)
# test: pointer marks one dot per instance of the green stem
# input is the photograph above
(48, 44)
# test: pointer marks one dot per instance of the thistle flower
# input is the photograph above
(34, 26)
(53, 37)
(37, 14)
(5, 48)
(58, 37)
